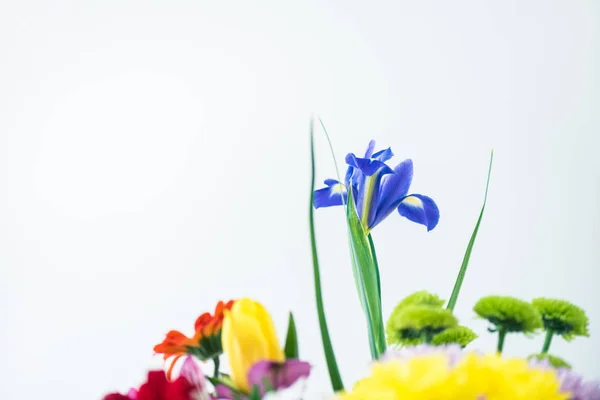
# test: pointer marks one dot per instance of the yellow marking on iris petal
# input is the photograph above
(338, 188)
(413, 201)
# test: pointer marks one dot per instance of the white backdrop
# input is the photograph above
(154, 159)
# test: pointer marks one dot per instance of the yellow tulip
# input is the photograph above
(248, 336)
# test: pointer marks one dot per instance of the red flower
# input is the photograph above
(116, 396)
(158, 387)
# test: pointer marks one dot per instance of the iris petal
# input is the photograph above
(383, 155)
(370, 149)
(349, 175)
(420, 209)
(334, 194)
(394, 188)
(367, 166)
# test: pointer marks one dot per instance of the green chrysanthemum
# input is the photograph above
(414, 324)
(562, 318)
(421, 298)
(509, 314)
(459, 334)
(555, 361)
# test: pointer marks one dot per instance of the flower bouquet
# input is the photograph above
(420, 352)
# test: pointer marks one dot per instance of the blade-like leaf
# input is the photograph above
(291, 340)
(254, 393)
(463, 268)
(376, 263)
(366, 277)
(332, 367)
(373, 312)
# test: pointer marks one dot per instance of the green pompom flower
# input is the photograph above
(421, 298)
(508, 314)
(414, 324)
(562, 318)
(460, 335)
(555, 361)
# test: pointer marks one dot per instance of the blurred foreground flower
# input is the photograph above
(571, 382)
(190, 385)
(206, 342)
(379, 190)
(444, 373)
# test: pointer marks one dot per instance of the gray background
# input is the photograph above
(154, 159)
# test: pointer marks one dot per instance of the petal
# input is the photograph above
(367, 166)
(333, 195)
(383, 155)
(191, 371)
(370, 148)
(349, 175)
(248, 336)
(244, 347)
(115, 396)
(261, 371)
(223, 392)
(279, 375)
(177, 390)
(292, 371)
(269, 334)
(156, 383)
(394, 188)
(132, 394)
(170, 370)
(420, 209)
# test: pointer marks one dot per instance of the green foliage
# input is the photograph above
(460, 335)
(555, 361)
(465, 263)
(366, 277)
(562, 318)
(413, 324)
(509, 314)
(332, 367)
(291, 340)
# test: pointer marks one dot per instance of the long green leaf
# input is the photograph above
(376, 263)
(332, 367)
(291, 340)
(376, 335)
(366, 277)
(463, 268)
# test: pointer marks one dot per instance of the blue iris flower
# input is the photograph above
(378, 190)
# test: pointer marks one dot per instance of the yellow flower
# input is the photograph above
(474, 377)
(248, 336)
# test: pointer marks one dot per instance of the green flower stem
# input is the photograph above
(374, 254)
(547, 341)
(216, 361)
(501, 336)
(428, 337)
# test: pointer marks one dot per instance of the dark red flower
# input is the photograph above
(158, 387)
(116, 396)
